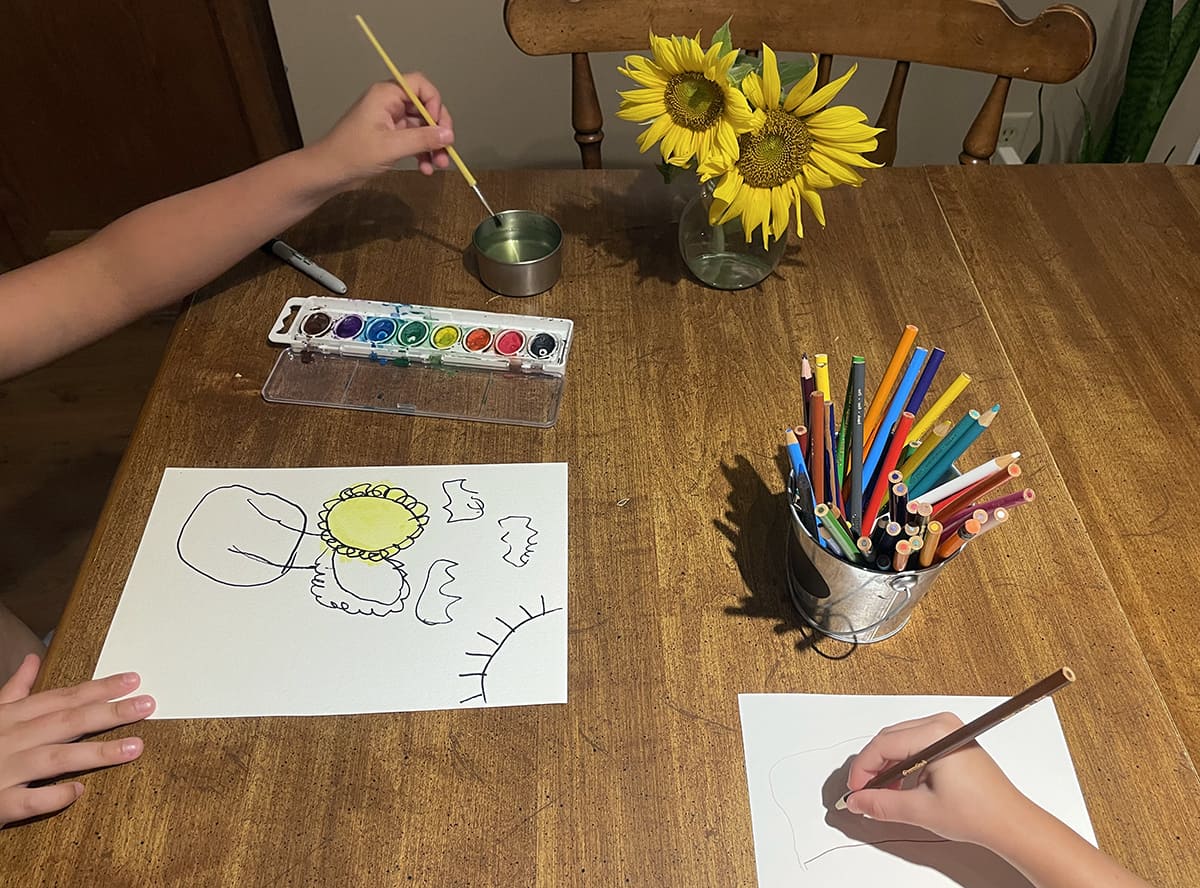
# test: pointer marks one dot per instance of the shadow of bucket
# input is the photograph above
(849, 602)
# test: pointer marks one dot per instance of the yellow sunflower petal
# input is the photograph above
(770, 78)
(752, 88)
(824, 95)
(727, 142)
(816, 177)
(847, 157)
(780, 211)
(802, 90)
(838, 115)
(738, 112)
(838, 172)
(653, 133)
(813, 199)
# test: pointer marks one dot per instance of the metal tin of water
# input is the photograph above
(522, 256)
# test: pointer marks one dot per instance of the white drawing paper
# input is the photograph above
(798, 748)
(320, 591)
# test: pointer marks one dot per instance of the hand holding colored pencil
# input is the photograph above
(881, 488)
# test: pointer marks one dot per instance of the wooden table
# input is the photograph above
(675, 401)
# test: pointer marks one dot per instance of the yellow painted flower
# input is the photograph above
(371, 522)
(797, 147)
(687, 99)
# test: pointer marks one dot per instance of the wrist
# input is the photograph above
(322, 174)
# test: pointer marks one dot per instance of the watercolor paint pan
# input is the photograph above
(420, 360)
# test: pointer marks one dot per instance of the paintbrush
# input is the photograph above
(412, 97)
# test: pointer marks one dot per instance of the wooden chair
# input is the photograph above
(973, 35)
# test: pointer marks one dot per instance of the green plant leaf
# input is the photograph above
(1185, 42)
(791, 72)
(1036, 154)
(1144, 71)
(723, 37)
(1087, 150)
(1184, 23)
(743, 66)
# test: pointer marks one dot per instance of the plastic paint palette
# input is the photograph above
(419, 359)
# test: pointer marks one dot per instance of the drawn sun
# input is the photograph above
(371, 521)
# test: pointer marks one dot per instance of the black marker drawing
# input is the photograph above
(518, 536)
(496, 640)
(462, 504)
(429, 611)
(242, 537)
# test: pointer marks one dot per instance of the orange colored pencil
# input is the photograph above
(956, 541)
(879, 403)
(816, 441)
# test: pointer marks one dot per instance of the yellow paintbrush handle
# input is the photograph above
(412, 97)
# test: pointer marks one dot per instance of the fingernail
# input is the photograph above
(445, 136)
(131, 747)
(143, 704)
(78, 789)
(129, 678)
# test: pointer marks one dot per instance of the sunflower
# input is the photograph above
(371, 522)
(687, 99)
(796, 147)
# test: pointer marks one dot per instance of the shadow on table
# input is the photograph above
(650, 242)
(757, 525)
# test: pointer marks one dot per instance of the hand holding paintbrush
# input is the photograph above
(424, 112)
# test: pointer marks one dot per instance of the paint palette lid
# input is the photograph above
(420, 361)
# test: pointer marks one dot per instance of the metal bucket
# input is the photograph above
(848, 602)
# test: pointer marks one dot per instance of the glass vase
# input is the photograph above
(718, 255)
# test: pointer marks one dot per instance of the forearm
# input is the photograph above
(1052, 855)
(154, 256)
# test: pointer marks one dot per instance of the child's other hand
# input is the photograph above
(383, 126)
(37, 734)
(963, 796)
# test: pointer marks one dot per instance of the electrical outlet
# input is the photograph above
(1012, 128)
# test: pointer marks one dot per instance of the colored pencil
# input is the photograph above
(843, 437)
(865, 547)
(955, 486)
(995, 519)
(858, 380)
(930, 479)
(835, 495)
(879, 403)
(881, 488)
(939, 407)
(910, 769)
(933, 534)
(894, 409)
(1010, 500)
(977, 491)
(844, 541)
(900, 556)
(918, 474)
(952, 542)
(808, 385)
(802, 437)
(952, 525)
(898, 502)
(816, 440)
(932, 440)
(922, 387)
(802, 484)
(821, 369)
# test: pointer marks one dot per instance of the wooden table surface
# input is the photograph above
(672, 416)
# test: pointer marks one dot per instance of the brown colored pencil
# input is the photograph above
(918, 761)
(801, 433)
(933, 534)
(975, 492)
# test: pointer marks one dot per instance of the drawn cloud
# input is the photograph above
(462, 504)
(519, 538)
(433, 604)
(242, 537)
(360, 586)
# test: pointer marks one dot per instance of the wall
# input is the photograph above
(513, 110)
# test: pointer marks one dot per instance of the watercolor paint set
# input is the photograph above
(420, 360)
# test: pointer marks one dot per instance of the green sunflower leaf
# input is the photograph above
(791, 72)
(743, 66)
(723, 37)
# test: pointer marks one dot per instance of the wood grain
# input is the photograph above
(1089, 275)
(675, 403)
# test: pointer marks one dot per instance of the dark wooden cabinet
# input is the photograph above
(106, 105)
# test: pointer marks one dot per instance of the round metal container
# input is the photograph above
(850, 602)
(522, 256)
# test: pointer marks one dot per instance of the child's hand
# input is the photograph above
(383, 127)
(963, 796)
(36, 734)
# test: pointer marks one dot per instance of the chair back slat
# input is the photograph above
(889, 118)
(980, 143)
(586, 114)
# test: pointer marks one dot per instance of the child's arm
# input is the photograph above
(38, 734)
(161, 252)
(967, 798)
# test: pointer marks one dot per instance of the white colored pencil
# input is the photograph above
(966, 479)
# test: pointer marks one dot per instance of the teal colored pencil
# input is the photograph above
(959, 429)
(931, 478)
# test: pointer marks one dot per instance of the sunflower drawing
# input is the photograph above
(371, 522)
(687, 100)
(796, 147)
